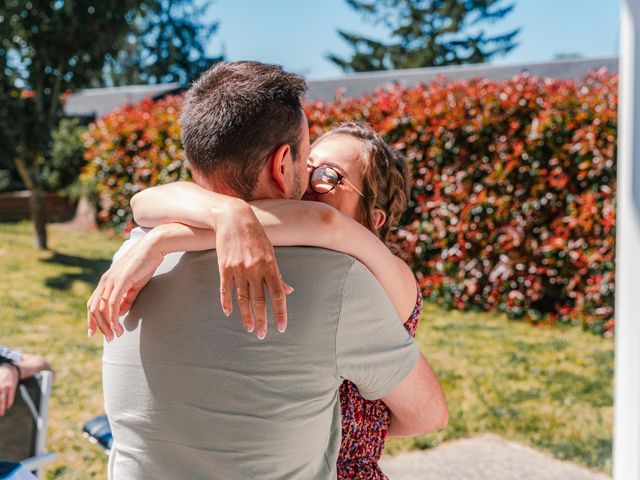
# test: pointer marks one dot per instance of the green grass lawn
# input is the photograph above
(551, 388)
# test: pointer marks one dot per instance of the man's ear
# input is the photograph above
(379, 217)
(278, 167)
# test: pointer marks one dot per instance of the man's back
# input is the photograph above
(191, 395)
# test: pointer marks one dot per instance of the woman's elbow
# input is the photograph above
(132, 204)
(138, 212)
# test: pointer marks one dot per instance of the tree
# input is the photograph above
(167, 44)
(426, 33)
(47, 48)
(66, 157)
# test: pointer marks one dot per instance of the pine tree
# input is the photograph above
(167, 44)
(426, 33)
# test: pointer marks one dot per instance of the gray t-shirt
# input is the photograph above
(190, 394)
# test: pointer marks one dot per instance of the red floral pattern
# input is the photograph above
(365, 425)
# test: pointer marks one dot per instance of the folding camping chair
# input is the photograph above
(23, 429)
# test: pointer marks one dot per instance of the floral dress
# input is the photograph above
(365, 425)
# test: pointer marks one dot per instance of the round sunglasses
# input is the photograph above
(323, 179)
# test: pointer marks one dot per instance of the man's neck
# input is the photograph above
(264, 190)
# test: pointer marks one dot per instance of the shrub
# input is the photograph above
(66, 157)
(131, 149)
(513, 199)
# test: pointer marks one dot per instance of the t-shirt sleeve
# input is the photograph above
(373, 349)
(135, 235)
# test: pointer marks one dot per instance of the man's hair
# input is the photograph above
(236, 115)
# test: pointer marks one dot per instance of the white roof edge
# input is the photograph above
(459, 68)
(128, 88)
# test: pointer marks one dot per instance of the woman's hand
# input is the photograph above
(120, 285)
(246, 258)
(245, 254)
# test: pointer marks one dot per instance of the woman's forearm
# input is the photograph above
(177, 237)
(286, 222)
(183, 202)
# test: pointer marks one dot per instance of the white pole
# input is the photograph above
(626, 449)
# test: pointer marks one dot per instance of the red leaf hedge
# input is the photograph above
(513, 200)
(130, 149)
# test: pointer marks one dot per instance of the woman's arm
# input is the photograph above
(314, 224)
(246, 259)
(286, 222)
(183, 202)
(249, 263)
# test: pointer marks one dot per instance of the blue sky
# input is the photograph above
(298, 34)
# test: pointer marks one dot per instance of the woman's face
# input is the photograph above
(343, 154)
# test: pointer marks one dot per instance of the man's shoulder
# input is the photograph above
(313, 257)
(323, 268)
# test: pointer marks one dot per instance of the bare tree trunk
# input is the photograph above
(31, 179)
(39, 217)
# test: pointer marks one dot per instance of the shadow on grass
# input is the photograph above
(91, 270)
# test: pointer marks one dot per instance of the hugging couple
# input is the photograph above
(197, 389)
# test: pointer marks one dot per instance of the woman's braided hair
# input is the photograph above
(386, 180)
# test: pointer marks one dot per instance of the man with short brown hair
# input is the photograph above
(221, 107)
(188, 393)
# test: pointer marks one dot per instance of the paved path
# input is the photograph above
(487, 457)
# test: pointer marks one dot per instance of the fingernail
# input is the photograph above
(250, 328)
(281, 327)
(226, 312)
(261, 333)
(288, 289)
(89, 333)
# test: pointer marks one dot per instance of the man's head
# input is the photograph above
(244, 131)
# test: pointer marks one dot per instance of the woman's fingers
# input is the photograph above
(288, 289)
(94, 311)
(127, 301)
(92, 326)
(242, 297)
(99, 309)
(115, 299)
(105, 309)
(101, 318)
(226, 287)
(278, 300)
(259, 306)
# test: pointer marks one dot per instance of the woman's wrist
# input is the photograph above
(159, 239)
(225, 208)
